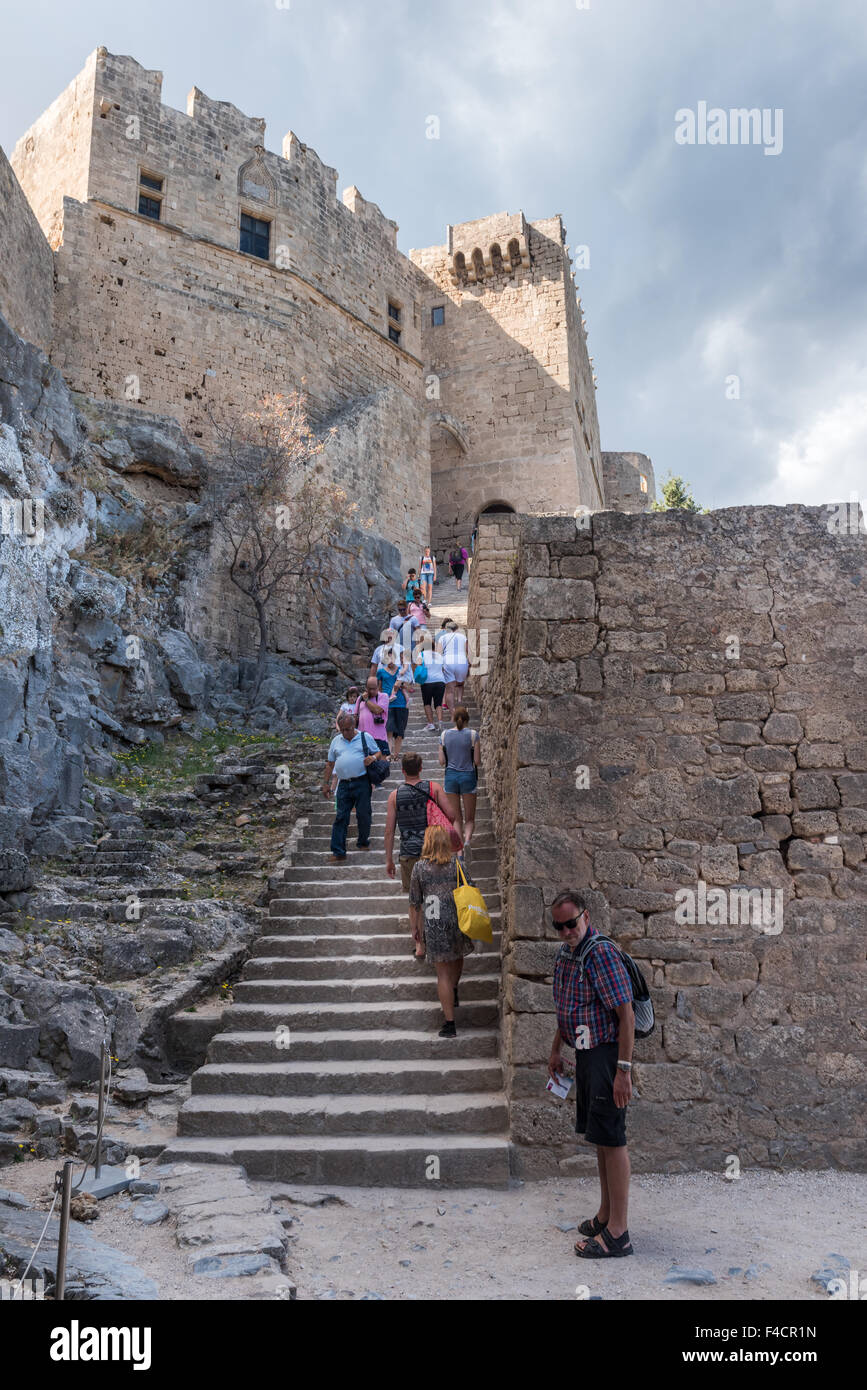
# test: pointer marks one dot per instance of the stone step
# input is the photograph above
(412, 1014)
(319, 838)
(352, 946)
(414, 1160)
(354, 923)
(348, 878)
(387, 897)
(483, 860)
(321, 968)
(374, 1044)
(451, 1113)
(364, 989)
(348, 1078)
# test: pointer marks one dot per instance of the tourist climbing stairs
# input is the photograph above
(329, 1067)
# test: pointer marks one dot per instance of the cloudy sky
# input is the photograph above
(726, 293)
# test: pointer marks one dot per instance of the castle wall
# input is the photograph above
(507, 368)
(52, 159)
(681, 706)
(26, 265)
(623, 475)
(172, 315)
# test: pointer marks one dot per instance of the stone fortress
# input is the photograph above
(193, 268)
(672, 701)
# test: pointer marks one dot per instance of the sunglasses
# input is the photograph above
(572, 922)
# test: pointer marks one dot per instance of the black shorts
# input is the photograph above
(432, 693)
(597, 1117)
(398, 718)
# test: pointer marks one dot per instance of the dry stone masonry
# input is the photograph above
(676, 720)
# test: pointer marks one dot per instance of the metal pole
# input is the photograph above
(101, 1112)
(64, 1181)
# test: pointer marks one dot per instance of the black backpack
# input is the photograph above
(645, 1020)
(378, 771)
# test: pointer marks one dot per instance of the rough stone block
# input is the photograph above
(815, 791)
(575, 597)
(719, 864)
(782, 728)
(804, 855)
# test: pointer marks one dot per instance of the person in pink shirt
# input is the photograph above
(371, 713)
(417, 608)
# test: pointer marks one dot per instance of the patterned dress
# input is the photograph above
(431, 889)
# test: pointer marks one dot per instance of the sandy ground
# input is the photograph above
(474, 1243)
(485, 1244)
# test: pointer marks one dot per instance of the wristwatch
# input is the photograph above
(624, 1066)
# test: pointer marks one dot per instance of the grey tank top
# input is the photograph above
(411, 803)
(458, 744)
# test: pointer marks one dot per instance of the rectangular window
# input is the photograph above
(255, 237)
(149, 207)
(394, 311)
(151, 181)
(438, 315)
(394, 334)
(642, 482)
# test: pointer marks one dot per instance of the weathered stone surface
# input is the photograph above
(719, 863)
(93, 1271)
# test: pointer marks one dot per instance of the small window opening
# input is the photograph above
(149, 207)
(255, 237)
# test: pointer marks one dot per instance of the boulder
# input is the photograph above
(95, 593)
(15, 873)
(93, 1269)
(188, 678)
(18, 1043)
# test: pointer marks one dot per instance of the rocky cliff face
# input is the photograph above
(104, 550)
(140, 807)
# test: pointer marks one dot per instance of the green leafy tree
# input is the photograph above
(676, 496)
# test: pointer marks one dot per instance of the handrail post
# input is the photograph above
(64, 1181)
(101, 1111)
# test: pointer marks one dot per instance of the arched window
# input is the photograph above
(478, 264)
(461, 268)
(492, 508)
(497, 258)
(514, 253)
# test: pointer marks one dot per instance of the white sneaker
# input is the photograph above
(429, 728)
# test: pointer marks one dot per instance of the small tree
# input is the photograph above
(279, 521)
(676, 496)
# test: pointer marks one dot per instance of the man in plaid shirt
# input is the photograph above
(595, 1015)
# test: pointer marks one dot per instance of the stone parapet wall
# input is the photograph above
(676, 709)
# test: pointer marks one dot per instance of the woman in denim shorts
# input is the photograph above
(460, 755)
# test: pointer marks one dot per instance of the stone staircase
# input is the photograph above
(329, 1068)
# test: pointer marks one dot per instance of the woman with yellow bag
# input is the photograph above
(435, 907)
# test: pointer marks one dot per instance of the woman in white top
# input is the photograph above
(427, 574)
(456, 665)
(433, 688)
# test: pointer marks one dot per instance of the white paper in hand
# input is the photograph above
(559, 1085)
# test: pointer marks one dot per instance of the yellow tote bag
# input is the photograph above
(473, 917)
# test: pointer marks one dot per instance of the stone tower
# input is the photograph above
(509, 382)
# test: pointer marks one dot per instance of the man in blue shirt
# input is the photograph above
(347, 758)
